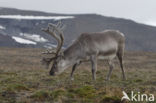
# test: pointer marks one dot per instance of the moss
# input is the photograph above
(108, 99)
(43, 95)
(138, 80)
(114, 76)
(16, 87)
(40, 95)
(57, 93)
(85, 92)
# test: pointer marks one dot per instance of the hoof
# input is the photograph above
(71, 79)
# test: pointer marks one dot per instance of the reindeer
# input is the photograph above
(88, 46)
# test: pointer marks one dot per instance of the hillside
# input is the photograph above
(23, 24)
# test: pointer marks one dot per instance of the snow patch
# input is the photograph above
(50, 46)
(152, 23)
(34, 37)
(23, 41)
(2, 27)
(35, 17)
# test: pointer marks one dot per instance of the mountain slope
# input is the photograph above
(139, 37)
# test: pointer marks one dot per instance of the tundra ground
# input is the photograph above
(24, 80)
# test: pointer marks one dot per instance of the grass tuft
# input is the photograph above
(108, 99)
(41, 95)
(17, 87)
(84, 91)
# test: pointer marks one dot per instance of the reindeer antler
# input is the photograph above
(52, 29)
(59, 27)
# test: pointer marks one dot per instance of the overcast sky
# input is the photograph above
(143, 11)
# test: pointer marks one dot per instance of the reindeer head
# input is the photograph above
(58, 58)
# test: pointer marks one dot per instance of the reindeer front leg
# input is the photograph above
(111, 66)
(73, 69)
(94, 66)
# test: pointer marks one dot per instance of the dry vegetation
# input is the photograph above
(24, 80)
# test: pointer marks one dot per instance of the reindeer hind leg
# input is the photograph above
(120, 57)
